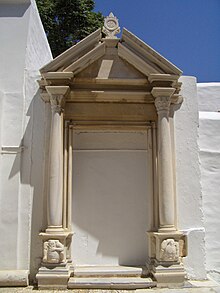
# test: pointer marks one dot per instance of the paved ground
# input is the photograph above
(190, 287)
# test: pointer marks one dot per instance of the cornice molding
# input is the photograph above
(163, 77)
(73, 53)
(135, 60)
(149, 53)
(86, 59)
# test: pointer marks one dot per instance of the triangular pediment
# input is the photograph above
(142, 56)
(62, 63)
(97, 57)
(110, 66)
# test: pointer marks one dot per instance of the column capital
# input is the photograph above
(159, 92)
(57, 90)
(57, 97)
(162, 98)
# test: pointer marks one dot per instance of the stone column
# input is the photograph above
(56, 238)
(165, 168)
(166, 247)
(55, 196)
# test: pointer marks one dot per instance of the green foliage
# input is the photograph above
(68, 21)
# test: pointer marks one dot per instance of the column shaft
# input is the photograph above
(55, 194)
(166, 194)
(165, 166)
(55, 200)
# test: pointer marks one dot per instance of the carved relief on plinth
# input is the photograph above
(53, 252)
(169, 250)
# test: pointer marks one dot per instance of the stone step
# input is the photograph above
(108, 271)
(111, 283)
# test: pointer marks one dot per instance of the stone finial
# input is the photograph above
(111, 26)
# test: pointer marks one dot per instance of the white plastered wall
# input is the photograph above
(24, 49)
(209, 143)
(112, 197)
(189, 205)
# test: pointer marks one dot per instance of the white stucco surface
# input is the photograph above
(24, 49)
(189, 205)
(209, 142)
(209, 96)
(112, 198)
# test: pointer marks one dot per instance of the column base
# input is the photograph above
(169, 277)
(165, 250)
(53, 276)
(55, 271)
(55, 230)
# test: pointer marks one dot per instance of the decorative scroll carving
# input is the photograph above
(56, 103)
(162, 104)
(53, 251)
(111, 26)
(169, 250)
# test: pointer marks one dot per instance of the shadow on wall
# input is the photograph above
(32, 165)
(13, 10)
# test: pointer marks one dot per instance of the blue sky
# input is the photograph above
(186, 32)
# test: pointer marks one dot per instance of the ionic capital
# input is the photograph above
(57, 97)
(162, 98)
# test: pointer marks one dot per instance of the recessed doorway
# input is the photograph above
(112, 193)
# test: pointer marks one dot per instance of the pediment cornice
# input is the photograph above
(61, 62)
(145, 52)
(149, 69)
(130, 48)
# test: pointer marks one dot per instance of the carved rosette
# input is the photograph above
(169, 250)
(53, 252)
(56, 103)
(162, 104)
(111, 26)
